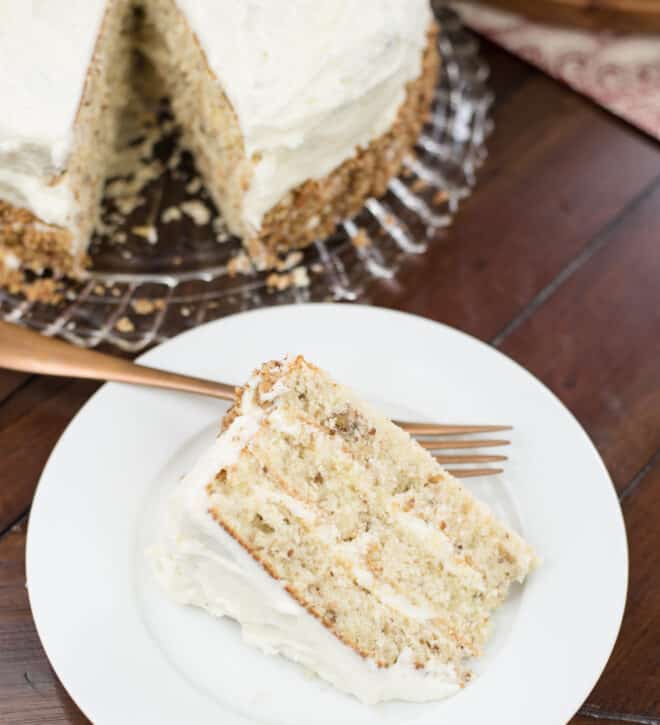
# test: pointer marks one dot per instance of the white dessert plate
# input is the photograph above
(128, 655)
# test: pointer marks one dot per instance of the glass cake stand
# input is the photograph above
(139, 293)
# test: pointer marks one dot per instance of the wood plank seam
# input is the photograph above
(633, 485)
(638, 719)
(16, 522)
(593, 246)
(17, 389)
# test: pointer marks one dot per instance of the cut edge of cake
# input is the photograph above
(26, 241)
(388, 553)
(307, 212)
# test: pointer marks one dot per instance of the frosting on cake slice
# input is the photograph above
(337, 541)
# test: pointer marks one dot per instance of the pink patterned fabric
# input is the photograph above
(619, 72)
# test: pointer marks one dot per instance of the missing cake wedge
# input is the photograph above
(336, 540)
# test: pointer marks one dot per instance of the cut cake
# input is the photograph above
(296, 112)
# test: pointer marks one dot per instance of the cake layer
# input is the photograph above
(313, 209)
(360, 525)
(51, 184)
(309, 82)
(198, 562)
(293, 129)
(296, 113)
(45, 53)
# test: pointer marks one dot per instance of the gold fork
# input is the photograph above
(30, 352)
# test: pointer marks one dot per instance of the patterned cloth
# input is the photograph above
(619, 72)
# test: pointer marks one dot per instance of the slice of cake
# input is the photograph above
(337, 541)
(296, 112)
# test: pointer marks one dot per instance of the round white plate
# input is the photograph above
(128, 655)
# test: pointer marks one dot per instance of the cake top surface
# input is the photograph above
(45, 51)
(281, 62)
(310, 81)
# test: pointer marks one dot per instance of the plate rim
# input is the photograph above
(155, 351)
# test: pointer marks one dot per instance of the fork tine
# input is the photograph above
(474, 472)
(469, 459)
(429, 429)
(476, 443)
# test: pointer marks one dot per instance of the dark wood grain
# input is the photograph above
(559, 172)
(30, 693)
(636, 16)
(604, 718)
(507, 75)
(636, 656)
(555, 259)
(603, 356)
(10, 381)
(31, 421)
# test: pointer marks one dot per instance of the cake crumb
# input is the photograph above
(168, 127)
(125, 192)
(128, 204)
(193, 186)
(440, 197)
(361, 239)
(299, 277)
(240, 264)
(143, 306)
(290, 261)
(124, 325)
(175, 159)
(185, 311)
(148, 232)
(46, 291)
(419, 185)
(171, 214)
(278, 282)
(197, 211)
(221, 232)
(115, 292)
(99, 290)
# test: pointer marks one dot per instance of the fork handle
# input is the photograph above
(30, 352)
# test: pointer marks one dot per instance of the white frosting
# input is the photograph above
(310, 81)
(198, 563)
(45, 51)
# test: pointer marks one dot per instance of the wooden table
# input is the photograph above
(555, 260)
